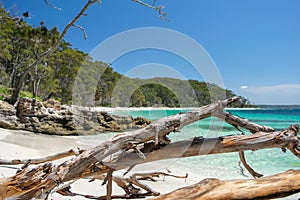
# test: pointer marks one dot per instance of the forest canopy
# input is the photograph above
(54, 77)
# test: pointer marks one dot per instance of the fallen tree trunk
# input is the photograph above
(141, 146)
(39, 182)
(198, 146)
(276, 186)
(226, 144)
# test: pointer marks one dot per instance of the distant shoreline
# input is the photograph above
(116, 109)
(279, 106)
(113, 109)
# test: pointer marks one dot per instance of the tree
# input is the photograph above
(137, 99)
(29, 63)
(64, 64)
(54, 76)
(151, 144)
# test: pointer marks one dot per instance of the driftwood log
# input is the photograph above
(146, 145)
(276, 186)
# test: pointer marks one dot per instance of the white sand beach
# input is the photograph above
(116, 109)
(22, 144)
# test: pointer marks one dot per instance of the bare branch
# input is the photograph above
(205, 146)
(36, 182)
(83, 30)
(242, 171)
(247, 166)
(109, 176)
(41, 160)
(159, 9)
(49, 4)
(145, 176)
(64, 32)
(240, 122)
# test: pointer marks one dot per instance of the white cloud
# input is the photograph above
(272, 94)
(285, 88)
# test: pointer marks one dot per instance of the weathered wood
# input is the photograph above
(200, 146)
(158, 129)
(226, 144)
(279, 185)
(57, 156)
(131, 185)
(247, 166)
(242, 122)
(75, 168)
(141, 146)
(246, 124)
(109, 184)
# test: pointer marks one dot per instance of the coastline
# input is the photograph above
(23, 144)
(113, 109)
(16, 144)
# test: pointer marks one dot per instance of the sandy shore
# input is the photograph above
(115, 109)
(23, 145)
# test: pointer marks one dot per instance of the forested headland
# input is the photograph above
(54, 77)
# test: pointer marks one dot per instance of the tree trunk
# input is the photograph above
(276, 186)
(16, 92)
(141, 146)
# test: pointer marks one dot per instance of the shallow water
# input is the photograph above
(226, 166)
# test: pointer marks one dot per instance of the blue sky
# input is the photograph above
(254, 44)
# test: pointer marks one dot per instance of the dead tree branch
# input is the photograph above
(121, 152)
(131, 185)
(52, 175)
(247, 166)
(204, 146)
(50, 5)
(159, 9)
(64, 32)
(276, 186)
(41, 160)
(83, 30)
(241, 122)
(246, 124)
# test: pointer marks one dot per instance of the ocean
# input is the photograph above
(226, 166)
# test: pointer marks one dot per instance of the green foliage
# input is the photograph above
(138, 99)
(54, 77)
(29, 95)
(154, 95)
(4, 92)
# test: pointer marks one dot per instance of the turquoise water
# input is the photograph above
(226, 166)
(267, 161)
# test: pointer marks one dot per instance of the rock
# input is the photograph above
(141, 121)
(7, 109)
(52, 103)
(28, 107)
(9, 122)
(57, 119)
(8, 118)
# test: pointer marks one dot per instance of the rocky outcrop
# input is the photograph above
(8, 118)
(52, 103)
(57, 119)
